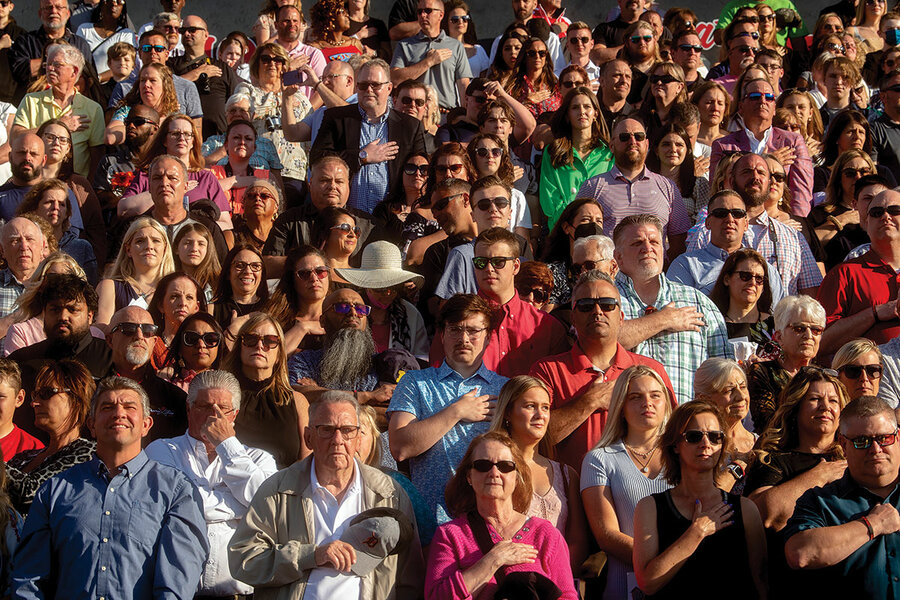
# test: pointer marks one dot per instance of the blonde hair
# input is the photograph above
(616, 427)
(853, 350)
(123, 267)
(368, 421)
(279, 382)
(513, 390)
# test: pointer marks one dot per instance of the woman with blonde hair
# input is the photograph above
(802, 104)
(144, 258)
(153, 88)
(859, 364)
(666, 89)
(868, 24)
(273, 416)
(523, 413)
(714, 103)
(624, 467)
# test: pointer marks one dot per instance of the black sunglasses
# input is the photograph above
(690, 47)
(139, 121)
(722, 213)
(441, 204)
(251, 340)
(406, 101)
(483, 465)
(498, 262)
(45, 393)
(747, 276)
(539, 295)
(664, 79)
(778, 177)
(412, 169)
(693, 436)
(129, 329)
(588, 265)
(347, 228)
(485, 203)
(639, 136)
(856, 371)
(536, 53)
(184, 30)
(876, 212)
(210, 339)
(586, 305)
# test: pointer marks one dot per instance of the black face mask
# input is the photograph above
(588, 229)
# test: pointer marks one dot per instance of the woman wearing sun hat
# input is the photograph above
(395, 323)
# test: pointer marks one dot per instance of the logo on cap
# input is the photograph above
(371, 541)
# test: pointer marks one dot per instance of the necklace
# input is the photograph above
(645, 464)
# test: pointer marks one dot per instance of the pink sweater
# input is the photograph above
(454, 549)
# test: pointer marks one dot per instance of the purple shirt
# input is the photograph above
(649, 193)
(207, 188)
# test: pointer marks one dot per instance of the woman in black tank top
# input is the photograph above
(696, 540)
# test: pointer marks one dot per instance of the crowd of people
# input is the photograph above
(342, 308)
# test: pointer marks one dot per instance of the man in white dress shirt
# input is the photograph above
(226, 472)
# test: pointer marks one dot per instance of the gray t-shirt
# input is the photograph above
(442, 76)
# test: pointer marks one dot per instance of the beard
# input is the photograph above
(136, 356)
(65, 344)
(630, 158)
(24, 172)
(347, 358)
(753, 198)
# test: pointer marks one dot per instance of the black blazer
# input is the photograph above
(339, 133)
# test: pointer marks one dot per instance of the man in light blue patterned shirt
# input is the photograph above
(669, 322)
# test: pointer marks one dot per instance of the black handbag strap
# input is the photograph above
(483, 539)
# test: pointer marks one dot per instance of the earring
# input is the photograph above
(505, 424)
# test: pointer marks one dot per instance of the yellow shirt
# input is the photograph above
(38, 107)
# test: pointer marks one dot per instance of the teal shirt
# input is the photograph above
(559, 186)
(730, 9)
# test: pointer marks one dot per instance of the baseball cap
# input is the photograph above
(376, 534)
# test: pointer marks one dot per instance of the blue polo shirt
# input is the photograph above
(873, 570)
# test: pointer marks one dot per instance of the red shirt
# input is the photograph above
(568, 376)
(523, 336)
(857, 285)
(17, 441)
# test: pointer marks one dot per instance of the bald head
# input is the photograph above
(882, 226)
(23, 246)
(341, 310)
(131, 346)
(130, 314)
(339, 78)
(26, 159)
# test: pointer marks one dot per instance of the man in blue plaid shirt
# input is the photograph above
(669, 322)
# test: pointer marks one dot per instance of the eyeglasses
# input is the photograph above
(146, 48)
(690, 48)
(407, 100)
(56, 139)
(441, 204)
(498, 262)
(129, 329)
(344, 308)
(191, 30)
(663, 79)
(637, 39)
(454, 169)
(139, 121)
(375, 86)
(571, 83)
(412, 169)
(45, 393)
(536, 53)
(457, 331)
(334, 76)
(856, 371)
(240, 266)
(347, 228)
(499, 203)
(320, 272)
(210, 339)
(876, 212)
(457, 19)
(326, 432)
(639, 136)
(864, 442)
(588, 265)
(539, 295)
(485, 152)
(779, 177)
(586, 305)
(694, 436)
(722, 213)
(835, 48)
(757, 96)
(483, 465)
(268, 59)
(579, 40)
(252, 340)
(426, 11)
(800, 329)
(182, 135)
(747, 276)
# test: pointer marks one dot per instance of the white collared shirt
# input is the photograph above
(758, 146)
(227, 484)
(330, 519)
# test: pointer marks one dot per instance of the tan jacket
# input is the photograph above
(273, 548)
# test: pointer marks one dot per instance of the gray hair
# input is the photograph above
(865, 407)
(379, 64)
(116, 383)
(70, 53)
(162, 157)
(215, 380)
(330, 398)
(165, 17)
(235, 98)
(604, 245)
(792, 308)
(589, 276)
(713, 375)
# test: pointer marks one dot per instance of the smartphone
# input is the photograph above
(295, 77)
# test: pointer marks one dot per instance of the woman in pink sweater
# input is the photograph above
(490, 493)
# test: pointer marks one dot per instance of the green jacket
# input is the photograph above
(559, 186)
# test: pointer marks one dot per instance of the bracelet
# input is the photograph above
(875, 313)
(868, 528)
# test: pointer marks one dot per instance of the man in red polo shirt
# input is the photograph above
(581, 380)
(860, 295)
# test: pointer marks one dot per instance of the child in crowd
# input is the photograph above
(12, 439)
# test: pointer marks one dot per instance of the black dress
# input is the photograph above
(268, 422)
(719, 563)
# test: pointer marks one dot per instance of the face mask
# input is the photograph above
(587, 229)
(892, 37)
(373, 300)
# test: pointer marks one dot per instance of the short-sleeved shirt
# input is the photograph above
(886, 143)
(612, 33)
(700, 269)
(442, 77)
(38, 107)
(18, 440)
(425, 393)
(731, 9)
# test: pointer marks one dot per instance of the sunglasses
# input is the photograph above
(746, 49)
(539, 295)
(753, 35)
(639, 136)
(800, 329)
(499, 202)
(344, 308)
(454, 169)
(694, 436)
(184, 30)
(663, 79)
(441, 204)
(210, 339)
(757, 96)
(579, 40)
(485, 152)
(498, 262)
(406, 101)
(258, 196)
(586, 305)
(129, 329)
(851, 172)
(570, 83)
(139, 121)
(268, 59)
(148, 47)
(483, 465)
(374, 85)
(588, 265)
(636, 39)
(747, 276)
(690, 48)
(45, 393)
(876, 212)
(893, 88)
(457, 19)
(722, 213)
(779, 177)
(864, 442)
(856, 371)
(240, 266)
(426, 11)
(347, 228)
(252, 340)
(770, 17)
(536, 53)
(320, 272)
(835, 48)
(412, 169)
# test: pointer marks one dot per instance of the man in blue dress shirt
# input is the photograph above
(118, 526)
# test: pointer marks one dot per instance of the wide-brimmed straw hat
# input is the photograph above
(382, 267)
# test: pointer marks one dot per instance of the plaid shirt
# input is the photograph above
(682, 352)
(10, 290)
(781, 246)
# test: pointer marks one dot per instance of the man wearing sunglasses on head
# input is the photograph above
(756, 109)
(131, 339)
(849, 529)
(872, 309)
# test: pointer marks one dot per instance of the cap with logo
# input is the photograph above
(376, 534)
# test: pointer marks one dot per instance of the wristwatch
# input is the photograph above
(362, 156)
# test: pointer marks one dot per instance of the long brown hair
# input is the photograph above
(157, 146)
(517, 80)
(169, 101)
(676, 426)
(561, 152)
(279, 383)
(207, 272)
